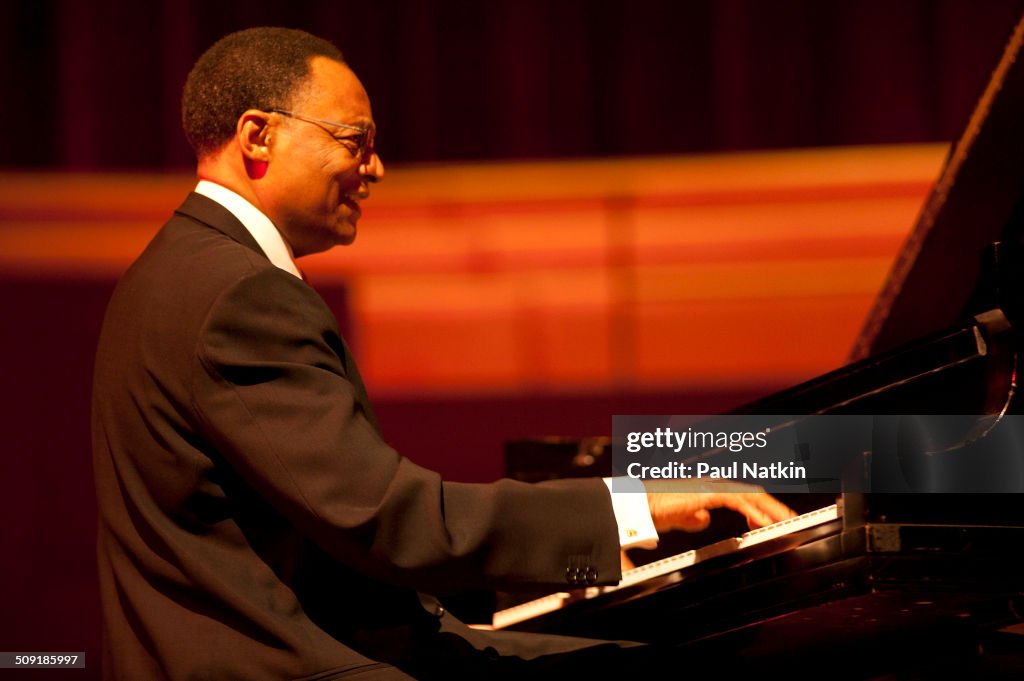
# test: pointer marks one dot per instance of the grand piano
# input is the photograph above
(865, 583)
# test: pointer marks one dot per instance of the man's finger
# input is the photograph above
(759, 509)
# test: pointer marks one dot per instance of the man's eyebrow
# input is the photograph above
(358, 122)
(366, 123)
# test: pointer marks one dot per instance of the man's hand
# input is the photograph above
(686, 504)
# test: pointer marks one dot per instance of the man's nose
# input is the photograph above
(373, 169)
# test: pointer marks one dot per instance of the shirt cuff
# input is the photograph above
(633, 516)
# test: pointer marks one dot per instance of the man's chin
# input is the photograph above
(347, 234)
(327, 240)
(342, 232)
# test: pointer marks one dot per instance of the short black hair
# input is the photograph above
(258, 68)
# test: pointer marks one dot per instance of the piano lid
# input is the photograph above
(975, 202)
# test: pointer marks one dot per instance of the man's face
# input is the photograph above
(315, 176)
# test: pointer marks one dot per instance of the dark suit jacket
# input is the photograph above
(253, 523)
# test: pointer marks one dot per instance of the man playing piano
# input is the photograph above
(253, 522)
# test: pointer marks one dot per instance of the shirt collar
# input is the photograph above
(258, 224)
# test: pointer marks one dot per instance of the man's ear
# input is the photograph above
(253, 133)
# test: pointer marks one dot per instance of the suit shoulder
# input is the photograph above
(277, 296)
(205, 249)
(171, 287)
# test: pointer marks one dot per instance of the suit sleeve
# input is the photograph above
(272, 393)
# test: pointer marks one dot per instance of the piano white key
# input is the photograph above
(780, 529)
(529, 610)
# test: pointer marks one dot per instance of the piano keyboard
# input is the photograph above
(666, 566)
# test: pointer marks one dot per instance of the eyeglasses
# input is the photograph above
(359, 145)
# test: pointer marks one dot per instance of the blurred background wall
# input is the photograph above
(642, 206)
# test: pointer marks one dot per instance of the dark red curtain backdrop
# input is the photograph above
(96, 84)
